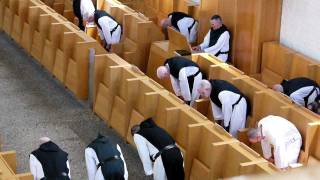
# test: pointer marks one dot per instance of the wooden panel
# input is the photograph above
(104, 102)
(177, 41)
(120, 116)
(207, 9)
(7, 21)
(301, 66)
(135, 119)
(199, 170)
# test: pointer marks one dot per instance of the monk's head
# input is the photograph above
(163, 72)
(165, 22)
(278, 87)
(216, 22)
(44, 140)
(255, 135)
(135, 129)
(315, 106)
(205, 88)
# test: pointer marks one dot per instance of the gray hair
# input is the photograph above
(254, 133)
(278, 87)
(205, 84)
(135, 129)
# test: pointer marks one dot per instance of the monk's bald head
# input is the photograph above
(163, 72)
(205, 88)
(278, 87)
(44, 140)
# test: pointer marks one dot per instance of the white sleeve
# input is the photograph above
(144, 154)
(280, 156)
(100, 33)
(226, 109)
(124, 163)
(184, 85)
(220, 43)
(68, 166)
(205, 42)
(105, 29)
(87, 9)
(182, 24)
(91, 163)
(35, 167)
(266, 149)
(175, 85)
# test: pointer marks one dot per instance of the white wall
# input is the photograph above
(300, 26)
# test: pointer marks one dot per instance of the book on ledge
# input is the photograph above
(182, 52)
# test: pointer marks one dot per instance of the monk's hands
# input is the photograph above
(196, 48)
(180, 97)
(271, 160)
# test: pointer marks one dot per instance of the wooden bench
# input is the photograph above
(21, 17)
(107, 4)
(77, 73)
(139, 33)
(177, 41)
(8, 167)
(124, 100)
(107, 74)
(275, 62)
(301, 66)
(57, 5)
(31, 24)
(52, 42)
(215, 140)
(41, 33)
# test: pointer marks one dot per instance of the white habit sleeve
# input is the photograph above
(124, 163)
(220, 43)
(87, 9)
(205, 42)
(280, 155)
(184, 25)
(105, 29)
(35, 168)
(266, 149)
(144, 154)
(175, 85)
(91, 163)
(184, 85)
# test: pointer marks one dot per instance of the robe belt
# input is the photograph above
(154, 158)
(237, 102)
(191, 80)
(218, 53)
(116, 157)
(189, 28)
(307, 97)
(115, 28)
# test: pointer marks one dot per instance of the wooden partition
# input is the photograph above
(107, 75)
(31, 24)
(125, 99)
(64, 53)
(217, 141)
(41, 33)
(139, 33)
(301, 66)
(8, 167)
(275, 62)
(52, 42)
(307, 124)
(21, 16)
(107, 4)
(177, 41)
(280, 62)
(77, 74)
